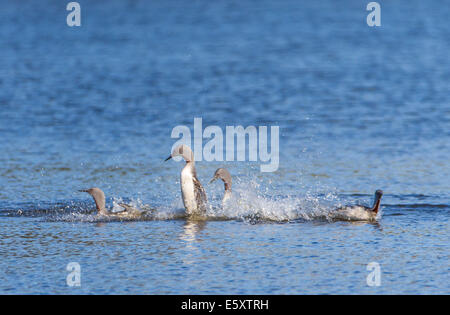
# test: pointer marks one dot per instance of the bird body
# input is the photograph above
(357, 212)
(354, 213)
(188, 189)
(193, 194)
(100, 201)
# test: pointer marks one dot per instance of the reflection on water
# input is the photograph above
(182, 256)
(191, 230)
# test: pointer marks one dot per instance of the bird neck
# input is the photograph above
(226, 196)
(189, 168)
(190, 162)
(101, 205)
(376, 205)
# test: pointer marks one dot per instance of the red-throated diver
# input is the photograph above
(357, 212)
(225, 176)
(194, 196)
(100, 202)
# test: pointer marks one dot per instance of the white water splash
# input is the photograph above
(251, 202)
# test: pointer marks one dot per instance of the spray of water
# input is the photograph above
(251, 202)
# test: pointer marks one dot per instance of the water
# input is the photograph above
(359, 109)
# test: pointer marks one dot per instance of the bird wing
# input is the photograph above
(128, 209)
(200, 195)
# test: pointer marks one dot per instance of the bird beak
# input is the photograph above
(168, 158)
(212, 180)
(83, 190)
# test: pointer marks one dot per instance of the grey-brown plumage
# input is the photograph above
(225, 176)
(200, 195)
(99, 199)
(130, 210)
(100, 202)
(357, 212)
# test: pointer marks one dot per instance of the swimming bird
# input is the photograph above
(100, 202)
(357, 212)
(194, 195)
(225, 176)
